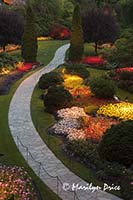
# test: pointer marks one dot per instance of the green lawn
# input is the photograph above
(7, 145)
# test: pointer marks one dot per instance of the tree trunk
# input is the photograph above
(4, 48)
(96, 45)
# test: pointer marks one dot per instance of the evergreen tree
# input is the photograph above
(29, 38)
(77, 42)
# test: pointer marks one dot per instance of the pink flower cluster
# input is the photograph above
(15, 181)
(73, 112)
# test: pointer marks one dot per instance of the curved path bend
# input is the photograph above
(21, 125)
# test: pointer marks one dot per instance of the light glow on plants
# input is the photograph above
(122, 110)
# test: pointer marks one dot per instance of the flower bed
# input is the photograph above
(81, 91)
(73, 112)
(75, 124)
(7, 80)
(15, 182)
(27, 66)
(72, 81)
(93, 60)
(122, 110)
(127, 69)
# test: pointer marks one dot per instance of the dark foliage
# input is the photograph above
(50, 79)
(116, 144)
(57, 98)
(77, 69)
(99, 27)
(76, 42)
(11, 27)
(102, 88)
(29, 38)
(7, 80)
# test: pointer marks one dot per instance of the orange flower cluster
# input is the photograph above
(96, 127)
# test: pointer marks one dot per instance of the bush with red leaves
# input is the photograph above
(93, 60)
(60, 32)
(27, 66)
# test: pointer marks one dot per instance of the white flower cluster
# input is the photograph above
(70, 125)
(73, 112)
(63, 126)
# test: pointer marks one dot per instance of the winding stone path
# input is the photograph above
(21, 126)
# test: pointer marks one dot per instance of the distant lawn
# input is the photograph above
(7, 146)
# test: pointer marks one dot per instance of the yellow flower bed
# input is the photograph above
(122, 110)
(72, 81)
(43, 38)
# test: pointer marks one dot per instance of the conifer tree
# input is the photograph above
(76, 42)
(29, 38)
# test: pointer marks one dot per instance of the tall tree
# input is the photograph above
(76, 42)
(11, 27)
(29, 38)
(99, 26)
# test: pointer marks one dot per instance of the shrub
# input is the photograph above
(126, 75)
(116, 144)
(78, 69)
(7, 60)
(83, 149)
(77, 42)
(50, 79)
(60, 32)
(102, 88)
(57, 98)
(29, 38)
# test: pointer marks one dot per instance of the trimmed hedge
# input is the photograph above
(103, 88)
(57, 98)
(50, 79)
(77, 69)
(116, 144)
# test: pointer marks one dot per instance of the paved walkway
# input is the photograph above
(22, 127)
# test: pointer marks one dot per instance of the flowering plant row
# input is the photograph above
(14, 181)
(128, 69)
(122, 110)
(77, 125)
(93, 60)
(27, 66)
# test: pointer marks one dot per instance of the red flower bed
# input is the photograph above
(27, 66)
(93, 60)
(60, 32)
(128, 69)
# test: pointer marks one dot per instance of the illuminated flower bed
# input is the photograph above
(128, 69)
(81, 91)
(75, 124)
(73, 112)
(72, 81)
(93, 60)
(14, 181)
(27, 66)
(123, 110)
(43, 38)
